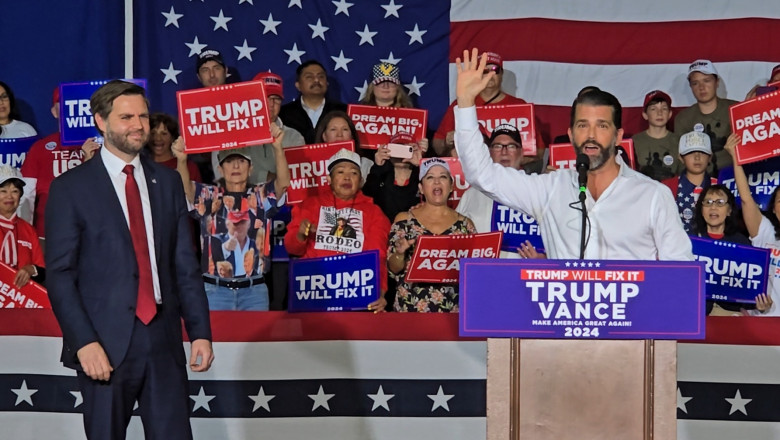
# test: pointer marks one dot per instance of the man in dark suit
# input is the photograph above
(304, 113)
(122, 274)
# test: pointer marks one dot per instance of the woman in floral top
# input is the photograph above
(433, 217)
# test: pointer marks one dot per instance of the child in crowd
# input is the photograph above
(656, 147)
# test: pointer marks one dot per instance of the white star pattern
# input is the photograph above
(201, 400)
(681, 401)
(195, 47)
(392, 9)
(172, 18)
(294, 54)
(590, 264)
(414, 87)
(245, 51)
(261, 400)
(380, 399)
(318, 30)
(415, 35)
(567, 264)
(597, 264)
(440, 399)
(366, 36)
(170, 74)
(220, 21)
(294, 3)
(320, 399)
(270, 24)
(247, 1)
(738, 403)
(362, 90)
(24, 394)
(342, 7)
(391, 59)
(341, 62)
(78, 399)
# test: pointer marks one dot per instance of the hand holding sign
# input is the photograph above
(763, 302)
(89, 148)
(278, 135)
(304, 229)
(24, 275)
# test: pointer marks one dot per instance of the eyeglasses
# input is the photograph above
(717, 202)
(4, 97)
(509, 147)
(492, 68)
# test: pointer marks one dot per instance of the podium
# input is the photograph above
(581, 350)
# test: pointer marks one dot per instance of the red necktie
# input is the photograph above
(146, 306)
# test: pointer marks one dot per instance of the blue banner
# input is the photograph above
(13, 151)
(763, 177)
(340, 282)
(735, 272)
(517, 228)
(591, 299)
(278, 230)
(76, 121)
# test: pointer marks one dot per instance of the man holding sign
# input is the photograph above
(612, 189)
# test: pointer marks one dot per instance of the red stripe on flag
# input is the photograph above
(542, 39)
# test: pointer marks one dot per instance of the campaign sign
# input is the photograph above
(459, 184)
(229, 116)
(278, 229)
(563, 156)
(758, 122)
(376, 125)
(340, 282)
(308, 166)
(593, 299)
(436, 257)
(521, 116)
(517, 228)
(31, 296)
(735, 273)
(13, 151)
(76, 121)
(763, 177)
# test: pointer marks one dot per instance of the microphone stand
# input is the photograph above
(583, 196)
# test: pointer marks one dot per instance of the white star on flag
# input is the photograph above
(247, 1)
(318, 30)
(440, 399)
(414, 87)
(597, 264)
(391, 59)
(294, 3)
(195, 47)
(681, 401)
(366, 36)
(78, 399)
(220, 21)
(24, 394)
(380, 399)
(172, 18)
(362, 90)
(270, 24)
(245, 51)
(201, 400)
(261, 400)
(294, 54)
(391, 9)
(320, 399)
(341, 62)
(738, 403)
(170, 74)
(415, 34)
(342, 6)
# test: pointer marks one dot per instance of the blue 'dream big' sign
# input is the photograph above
(76, 121)
(591, 299)
(340, 282)
(517, 228)
(735, 272)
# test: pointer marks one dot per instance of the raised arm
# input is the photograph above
(181, 166)
(282, 181)
(751, 213)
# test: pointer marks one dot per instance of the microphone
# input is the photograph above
(582, 166)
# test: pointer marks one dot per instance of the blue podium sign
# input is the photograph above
(340, 282)
(592, 299)
(734, 272)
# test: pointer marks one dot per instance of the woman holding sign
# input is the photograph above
(19, 246)
(764, 229)
(432, 217)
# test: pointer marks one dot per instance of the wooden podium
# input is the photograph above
(540, 389)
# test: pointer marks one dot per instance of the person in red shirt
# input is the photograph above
(19, 247)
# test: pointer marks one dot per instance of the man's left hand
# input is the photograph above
(201, 348)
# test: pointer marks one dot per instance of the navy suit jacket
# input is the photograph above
(91, 267)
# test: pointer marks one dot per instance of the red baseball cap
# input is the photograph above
(775, 71)
(237, 216)
(494, 58)
(273, 83)
(656, 95)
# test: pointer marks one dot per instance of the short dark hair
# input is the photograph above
(732, 224)
(599, 98)
(14, 113)
(18, 183)
(156, 119)
(306, 64)
(102, 101)
(322, 125)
